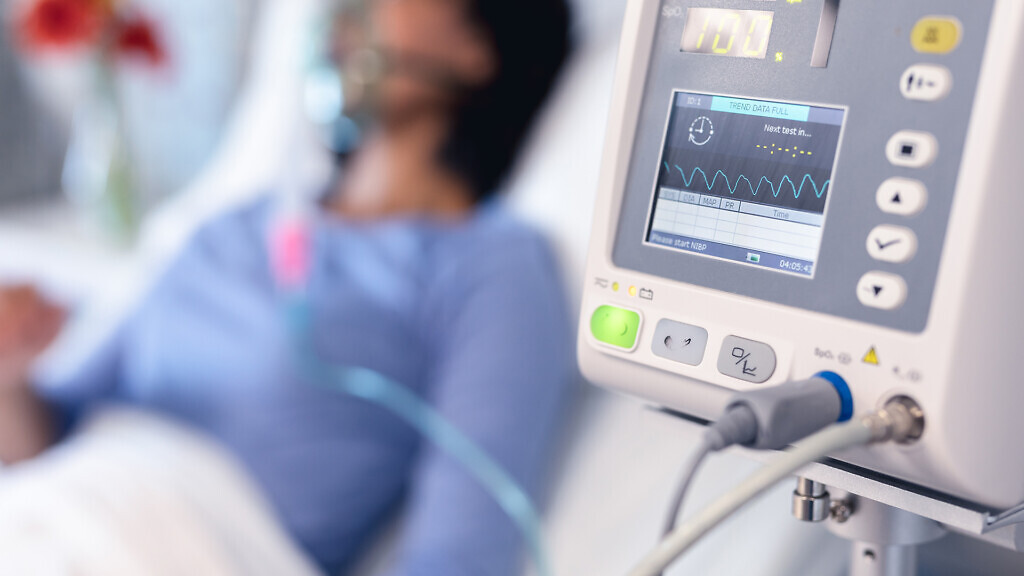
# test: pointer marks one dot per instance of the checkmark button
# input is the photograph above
(883, 245)
(892, 244)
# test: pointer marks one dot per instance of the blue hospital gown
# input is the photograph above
(469, 315)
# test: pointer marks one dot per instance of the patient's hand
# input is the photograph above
(28, 324)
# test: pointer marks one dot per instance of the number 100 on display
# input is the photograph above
(736, 33)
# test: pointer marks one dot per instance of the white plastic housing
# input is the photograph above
(970, 358)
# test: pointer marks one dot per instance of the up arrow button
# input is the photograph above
(902, 196)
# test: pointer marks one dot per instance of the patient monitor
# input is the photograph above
(792, 186)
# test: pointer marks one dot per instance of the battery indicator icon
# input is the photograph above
(753, 258)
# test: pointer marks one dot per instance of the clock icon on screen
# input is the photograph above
(701, 131)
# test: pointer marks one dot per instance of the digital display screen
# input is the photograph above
(746, 180)
(738, 33)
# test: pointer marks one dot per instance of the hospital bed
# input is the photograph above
(620, 459)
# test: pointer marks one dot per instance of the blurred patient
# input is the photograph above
(416, 272)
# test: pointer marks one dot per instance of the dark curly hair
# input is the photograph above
(531, 39)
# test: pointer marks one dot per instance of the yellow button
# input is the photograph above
(936, 35)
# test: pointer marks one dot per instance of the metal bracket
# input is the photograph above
(1009, 518)
(1005, 529)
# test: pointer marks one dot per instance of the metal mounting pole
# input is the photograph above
(875, 560)
(885, 539)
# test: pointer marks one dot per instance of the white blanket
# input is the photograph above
(132, 494)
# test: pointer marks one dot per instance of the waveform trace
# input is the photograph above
(754, 191)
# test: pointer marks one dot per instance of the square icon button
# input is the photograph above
(912, 149)
(680, 342)
(746, 360)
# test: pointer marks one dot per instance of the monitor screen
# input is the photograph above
(746, 180)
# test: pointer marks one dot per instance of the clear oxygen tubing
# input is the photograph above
(291, 254)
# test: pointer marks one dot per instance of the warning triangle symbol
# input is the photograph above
(896, 199)
(871, 357)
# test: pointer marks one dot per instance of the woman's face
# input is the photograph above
(428, 50)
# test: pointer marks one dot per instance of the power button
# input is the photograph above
(616, 327)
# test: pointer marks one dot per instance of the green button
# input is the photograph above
(615, 326)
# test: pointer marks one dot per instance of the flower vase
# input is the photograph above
(98, 175)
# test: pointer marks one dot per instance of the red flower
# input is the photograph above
(137, 37)
(61, 24)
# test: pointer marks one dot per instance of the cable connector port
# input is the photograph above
(901, 420)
